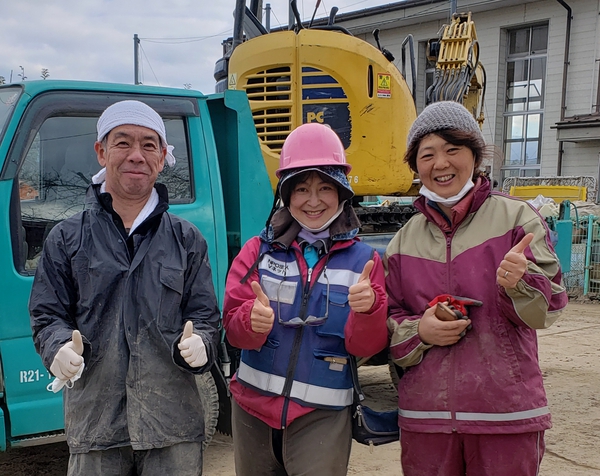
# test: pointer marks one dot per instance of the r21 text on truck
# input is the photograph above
(47, 159)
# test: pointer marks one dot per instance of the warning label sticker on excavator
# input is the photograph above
(384, 85)
(232, 83)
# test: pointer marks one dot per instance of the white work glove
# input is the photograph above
(191, 347)
(68, 365)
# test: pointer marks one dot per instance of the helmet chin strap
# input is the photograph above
(326, 224)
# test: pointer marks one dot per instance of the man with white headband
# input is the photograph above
(124, 313)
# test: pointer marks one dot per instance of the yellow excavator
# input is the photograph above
(325, 74)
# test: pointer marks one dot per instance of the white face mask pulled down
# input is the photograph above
(450, 201)
(325, 225)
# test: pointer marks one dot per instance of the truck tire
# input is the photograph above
(209, 396)
(224, 424)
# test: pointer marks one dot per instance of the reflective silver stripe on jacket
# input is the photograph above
(524, 415)
(424, 415)
(302, 391)
(467, 416)
(341, 277)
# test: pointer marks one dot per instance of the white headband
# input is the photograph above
(138, 114)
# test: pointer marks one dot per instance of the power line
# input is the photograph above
(148, 60)
(352, 4)
(433, 7)
(190, 39)
(279, 24)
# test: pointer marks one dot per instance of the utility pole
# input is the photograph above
(452, 7)
(268, 18)
(136, 59)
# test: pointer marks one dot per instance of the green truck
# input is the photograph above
(47, 159)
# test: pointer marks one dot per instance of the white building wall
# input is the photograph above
(594, 93)
(574, 166)
(492, 25)
(578, 158)
(582, 57)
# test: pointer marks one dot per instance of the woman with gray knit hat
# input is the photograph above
(469, 281)
(301, 300)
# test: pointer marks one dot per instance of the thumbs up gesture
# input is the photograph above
(361, 296)
(191, 347)
(68, 360)
(513, 266)
(262, 316)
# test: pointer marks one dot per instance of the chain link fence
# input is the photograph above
(583, 279)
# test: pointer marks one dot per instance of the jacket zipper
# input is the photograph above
(289, 379)
(452, 376)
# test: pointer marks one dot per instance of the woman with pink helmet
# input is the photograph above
(301, 300)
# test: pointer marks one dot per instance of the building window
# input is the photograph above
(524, 105)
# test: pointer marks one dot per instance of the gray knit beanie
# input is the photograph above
(442, 115)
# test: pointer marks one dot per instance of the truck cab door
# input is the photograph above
(48, 167)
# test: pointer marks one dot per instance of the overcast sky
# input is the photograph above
(93, 39)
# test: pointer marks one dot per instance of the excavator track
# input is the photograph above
(387, 218)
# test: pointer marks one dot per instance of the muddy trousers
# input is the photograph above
(182, 459)
(316, 444)
(440, 454)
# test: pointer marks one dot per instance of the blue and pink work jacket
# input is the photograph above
(294, 369)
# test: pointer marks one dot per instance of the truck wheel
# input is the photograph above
(209, 396)
(224, 424)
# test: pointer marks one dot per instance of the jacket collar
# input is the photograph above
(469, 204)
(95, 200)
(284, 229)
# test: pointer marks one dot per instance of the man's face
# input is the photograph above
(133, 158)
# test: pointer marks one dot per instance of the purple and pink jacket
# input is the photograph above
(490, 381)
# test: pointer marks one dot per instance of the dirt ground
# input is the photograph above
(570, 360)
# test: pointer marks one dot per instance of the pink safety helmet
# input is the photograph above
(312, 145)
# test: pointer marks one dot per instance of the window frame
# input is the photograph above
(523, 168)
(73, 105)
